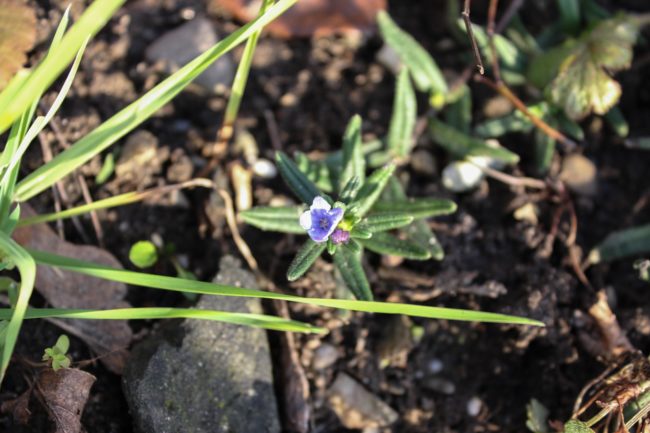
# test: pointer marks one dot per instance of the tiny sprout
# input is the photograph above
(57, 354)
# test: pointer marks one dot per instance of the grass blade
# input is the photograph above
(137, 112)
(192, 286)
(27, 269)
(92, 20)
(306, 256)
(248, 319)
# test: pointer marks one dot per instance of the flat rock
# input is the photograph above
(202, 376)
(179, 46)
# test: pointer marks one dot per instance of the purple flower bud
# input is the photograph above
(320, 220)
(340, 236)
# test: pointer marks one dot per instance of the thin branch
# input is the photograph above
(470, 33)
(492, 13)
(504, 91)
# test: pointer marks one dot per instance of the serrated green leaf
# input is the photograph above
(371, 189)
(143, 254)
(622, 243)
(354, 164)
(402, 122)
(416, 207)
(384, 221)
(306, 256)
(283, 219)
(423, 68)
(301, 186)
(575, 426)
(583, 84)
(383, 243)
(462, 145)
(348, 262)
(537, 417)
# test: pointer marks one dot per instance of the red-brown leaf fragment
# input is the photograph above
(17, 36)
(65, 393)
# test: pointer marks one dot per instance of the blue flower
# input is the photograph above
(320, 220)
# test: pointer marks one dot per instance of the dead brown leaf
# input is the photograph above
(18, 407)
(312, 17)
(65, 393)
(64, 289)
(17, 36)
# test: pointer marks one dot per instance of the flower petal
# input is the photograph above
(320, 203)
(305, 220)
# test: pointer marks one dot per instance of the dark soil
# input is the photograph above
(493, 262)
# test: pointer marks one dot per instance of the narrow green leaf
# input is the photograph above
(348, 261)
(350, 189)
(200, 287)
(306, 257)
(459, 113)
(402, 122)
(462, 145)
(322, 174)
(277, 219)
(359, 231)
(544, 151)
(92, 20)
(371, 189)
(621, 244)
(423, 68)
(11, 251)
(107, 169)
(133, 115)
(248, 319)
(301, 186)
(354, 164)
(383, 221)
(493, 128)
(383, 243)
(416, 207)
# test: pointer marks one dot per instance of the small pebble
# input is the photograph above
(435, 366)
(440, 385)
(474, 406)
(389, 58)
(265, 169)
(325, 356)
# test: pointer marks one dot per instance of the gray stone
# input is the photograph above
(179, 46)
(205, 377)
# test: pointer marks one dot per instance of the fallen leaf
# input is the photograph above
(65, 393)
(312, 17)
(583, 84)
(64, 289)
(17, 36)
(18, 407)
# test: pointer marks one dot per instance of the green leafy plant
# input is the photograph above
(18, 102)
(57, 355)
(358, 218)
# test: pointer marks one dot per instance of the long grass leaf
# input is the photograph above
(248, 319)
(137, 112)
(192, 286)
